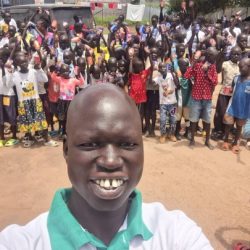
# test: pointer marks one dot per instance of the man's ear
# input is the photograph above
(65, 148)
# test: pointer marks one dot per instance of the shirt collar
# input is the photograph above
(66, 233)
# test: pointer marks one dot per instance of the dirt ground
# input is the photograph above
(211, 187)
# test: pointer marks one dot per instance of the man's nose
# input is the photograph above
(110, 158)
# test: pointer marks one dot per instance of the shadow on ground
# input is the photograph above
(220, 236)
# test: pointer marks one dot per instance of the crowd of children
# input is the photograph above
(172, 64)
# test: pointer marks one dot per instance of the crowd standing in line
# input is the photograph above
(172, 64)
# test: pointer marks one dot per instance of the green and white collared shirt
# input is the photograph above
(147, 226)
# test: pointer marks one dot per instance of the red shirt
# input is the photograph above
(204, 82)
(137, 83)
(53, 88)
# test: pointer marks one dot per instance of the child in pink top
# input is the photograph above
(53, 95)
(67, 92)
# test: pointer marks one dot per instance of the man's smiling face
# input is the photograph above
(104, 148)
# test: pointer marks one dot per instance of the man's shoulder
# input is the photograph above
(172, 229)
(33, 235)
(156, 213)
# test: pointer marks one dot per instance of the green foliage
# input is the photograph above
(105, 20)
(175, 4)
(207, 6)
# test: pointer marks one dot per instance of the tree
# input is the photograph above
(207, 6)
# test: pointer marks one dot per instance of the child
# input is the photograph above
(96, 75)
(66, 94)
(7, 104)
(238, 110)
(184, 99)
(112, 76)
(64, 45)
(167, 102)
(31, 117)
(79, 51)
(180, 64)
(123, 72)
(137, 81)
(229, 70)
(152, 103)
(205, 80)
(53, 95)
(81, 71)
(43, 94)
(180, 52)
(68, 59)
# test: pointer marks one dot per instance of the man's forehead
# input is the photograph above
(103, 112)
(102, 97)
(104, 103)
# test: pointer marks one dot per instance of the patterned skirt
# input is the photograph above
(31, 117)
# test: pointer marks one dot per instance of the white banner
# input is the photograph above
(135, 12)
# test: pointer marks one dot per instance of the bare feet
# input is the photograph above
(236, 149)
(225, 146)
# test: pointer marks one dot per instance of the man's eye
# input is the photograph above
(128, 145)
(89, 146)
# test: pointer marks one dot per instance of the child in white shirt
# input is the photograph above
(168, 102)
(31, 116)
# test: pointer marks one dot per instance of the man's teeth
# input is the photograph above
(106, 183)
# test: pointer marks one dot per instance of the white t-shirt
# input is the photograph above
(231, 39)
(26, 83)
(156, 33)
(166, 84)
(41, 88)
(172, 230)
(201, 36)
(237, 32)
(4, 90)
(4, 41)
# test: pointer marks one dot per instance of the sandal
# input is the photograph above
(248, 145)
(236, 149)
(25, 138)
(51, 143)
(53, 133)
(225, 146)
(11, 142)
(7, 130)
(1, 143)
(39, 138)
(28, 144)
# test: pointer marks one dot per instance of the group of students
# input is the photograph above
(172, 64)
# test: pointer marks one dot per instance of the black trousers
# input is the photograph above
(220, 111)
(151, 106)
